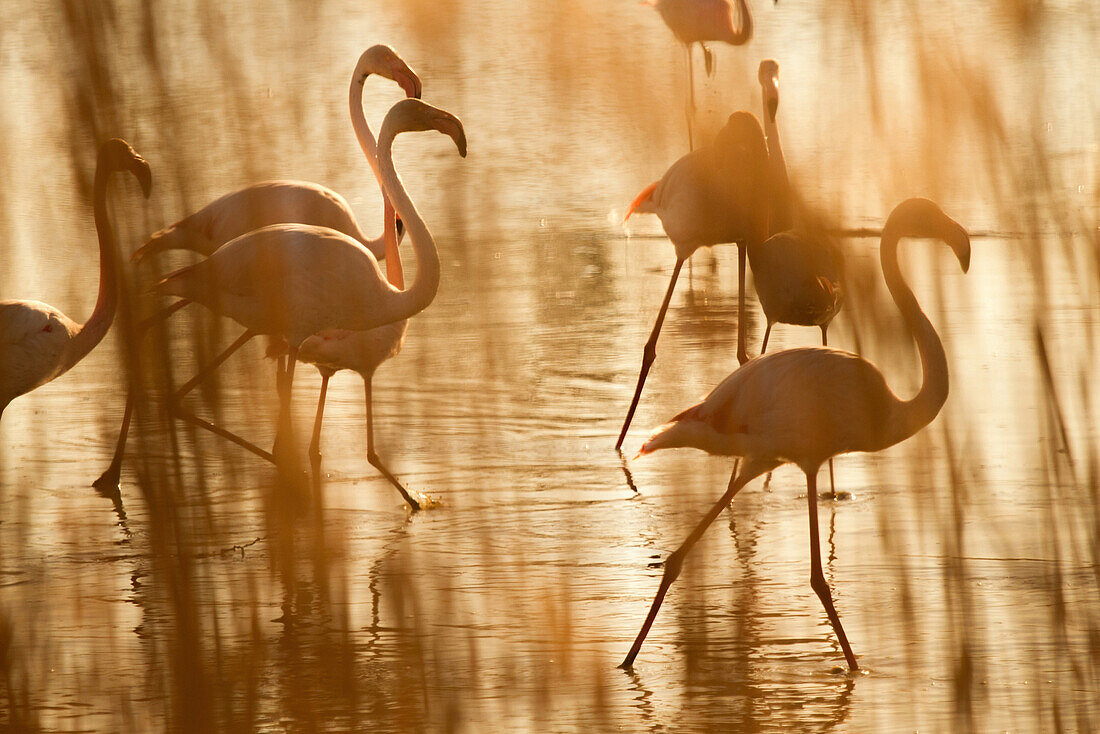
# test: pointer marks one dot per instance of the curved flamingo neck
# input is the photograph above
(780, 219)
(362, 129)
(416, 297)
(394, 272)
(97, 325)
(912, 415)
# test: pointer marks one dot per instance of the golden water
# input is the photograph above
(964, 566)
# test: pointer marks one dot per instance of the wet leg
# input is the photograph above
(674, 563)
(817, 576)
(415, 500)
(649, 353)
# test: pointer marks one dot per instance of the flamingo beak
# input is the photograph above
(449, 125)
(144, 176)
(408, 81)
(959, 241)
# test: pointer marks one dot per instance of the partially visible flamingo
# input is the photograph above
(806, 405)
(699, 21)
(302, 202)
(274, 202)
(797, 277)
(38, 343)
(362, 352)
(295, 280)
(713, 195)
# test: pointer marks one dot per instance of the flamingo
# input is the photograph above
(699, 21)
(797, 280)
(273, 202)
(712, 195)
(38, 343)
(797, 277)
(296, 280)
(362, 352)
(806, 405)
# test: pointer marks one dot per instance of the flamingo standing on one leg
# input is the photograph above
(805, 405)
(294, 280)
(713, 195)
(38, 343)
(797, 278)
(274, 202)
(699, 21)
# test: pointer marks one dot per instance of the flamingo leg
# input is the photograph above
(742, 351)
(767, 333)
(750, 469)
(176, 402)
(108, 481)
(315, 441)
(832, 479)
(817, 576)
(284, 384)
(650, 352)
(415, 500)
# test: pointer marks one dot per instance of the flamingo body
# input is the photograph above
(256, 206)
(35, 341)
(799, 405)
(289, 279)
(713, 195)
(360, 351)
(797, 281)
(698, 21)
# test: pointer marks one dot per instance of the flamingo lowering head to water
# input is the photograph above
(38, 343)
(803, 406)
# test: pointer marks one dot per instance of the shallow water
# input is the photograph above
(963, 566)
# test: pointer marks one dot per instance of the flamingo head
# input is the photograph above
(769, 84)
(923, 218)
(412, 115)
(117, 155)
(384, 61)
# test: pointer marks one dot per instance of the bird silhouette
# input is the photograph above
(38, 343)
(803, 406)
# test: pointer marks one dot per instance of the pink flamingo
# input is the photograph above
(271, 202)
(293, 280)
(362, 352)
(712, 195)
(275, 202)
(804, 406)
(38, 343)
(700, 21)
